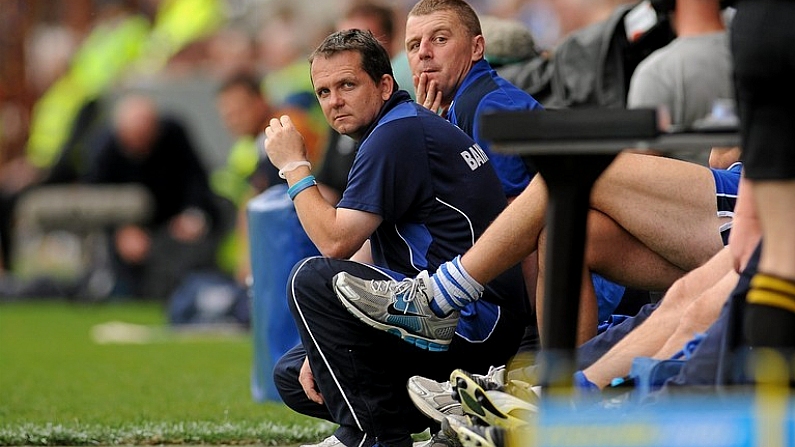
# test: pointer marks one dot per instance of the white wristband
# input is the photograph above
(293, 165)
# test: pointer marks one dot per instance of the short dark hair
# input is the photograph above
(381, 12)
(251, 83)
(374, 58)
(461, 8)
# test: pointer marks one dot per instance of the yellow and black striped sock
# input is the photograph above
(772, 291)
(770, 314)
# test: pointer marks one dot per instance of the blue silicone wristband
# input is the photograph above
(301, 185)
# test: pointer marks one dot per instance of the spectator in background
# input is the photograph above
(284, 41)
(113, 44)
(687, 76)
(123, 41)
(177, 24)
(182, 234)
(244, 111)
(551, 21)
(508, 42)
(231, 51)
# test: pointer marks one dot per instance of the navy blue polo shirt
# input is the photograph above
(434, 187)
(483, 91)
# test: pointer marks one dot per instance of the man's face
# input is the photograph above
(242, 111)
(349, 98)
(137, 127)
(438, 44)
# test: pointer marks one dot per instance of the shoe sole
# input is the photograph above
(434, 345)
(479, 403)
(433, 411)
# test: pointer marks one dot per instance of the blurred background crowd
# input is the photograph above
(104, 44)
(198, 74)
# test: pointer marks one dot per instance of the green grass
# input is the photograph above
(58, 386)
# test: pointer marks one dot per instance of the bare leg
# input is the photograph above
(770, 315)
(648, 338)
(669, 205)
(663, 210)
(531, 275)
(614, 253)
(699, 315)
(511, 237)
(589, 309)
(774, 203)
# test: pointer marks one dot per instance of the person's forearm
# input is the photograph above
(318, 218)
(337, 233)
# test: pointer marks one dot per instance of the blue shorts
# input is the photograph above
(727, 181)
(608, 296)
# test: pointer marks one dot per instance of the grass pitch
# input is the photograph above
(61, 383)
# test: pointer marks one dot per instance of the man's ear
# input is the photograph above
(478, 48)
(387, 86)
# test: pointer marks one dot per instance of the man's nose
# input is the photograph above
(335, 99)
(425, 51)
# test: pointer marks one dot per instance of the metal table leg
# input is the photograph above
(569, 180)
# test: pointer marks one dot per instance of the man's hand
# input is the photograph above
(307, 381)
(428, 94)
(283, 142)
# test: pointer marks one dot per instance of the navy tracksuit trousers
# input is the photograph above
(361, 371)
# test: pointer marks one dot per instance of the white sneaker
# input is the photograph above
(440, 399)
(401, 308)
(434, 399)
(331, 441)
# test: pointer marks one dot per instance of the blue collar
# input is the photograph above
(480, 68)
(399, 97)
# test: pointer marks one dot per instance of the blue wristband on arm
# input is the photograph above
(301, 185)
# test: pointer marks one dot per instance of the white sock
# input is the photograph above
(453, 287)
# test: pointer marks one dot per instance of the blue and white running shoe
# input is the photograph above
(398, 307)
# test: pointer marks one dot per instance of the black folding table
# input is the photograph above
(570, 149)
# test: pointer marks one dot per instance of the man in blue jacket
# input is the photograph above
(420, 191)
(446, 51)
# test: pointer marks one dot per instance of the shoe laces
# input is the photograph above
(496, 375)
(405, 289)
(493, 371)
